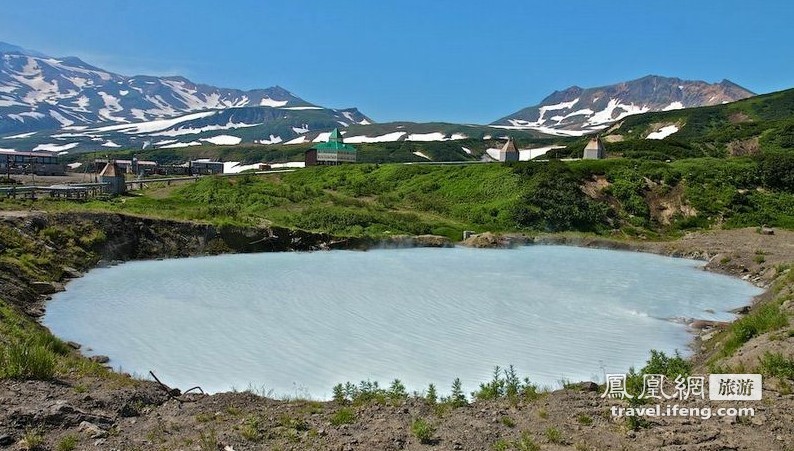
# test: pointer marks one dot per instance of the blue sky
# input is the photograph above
(457, 61)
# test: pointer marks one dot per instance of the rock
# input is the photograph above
(92, 430)
(36, 312)
(483, 240)
(767, 231)
(588, 386)
(6, 440)
(432, 241)
(73, 344)
(71, 272)
(46, 287)
(99, 359)
(129, 410)
(741, 310)
(705, 324)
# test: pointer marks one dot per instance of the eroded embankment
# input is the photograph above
(95, 409)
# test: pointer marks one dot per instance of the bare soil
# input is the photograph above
(121, 413)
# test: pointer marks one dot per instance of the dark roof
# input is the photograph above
(27, 154)
(595, 144)
(335, 142)
(510, 145)
(111, 170)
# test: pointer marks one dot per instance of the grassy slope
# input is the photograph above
(377, 200)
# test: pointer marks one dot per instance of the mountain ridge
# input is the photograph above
(575, 111)
(38, 92)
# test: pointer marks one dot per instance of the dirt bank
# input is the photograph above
(119, 413)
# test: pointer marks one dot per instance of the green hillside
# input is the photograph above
(617, 196)
(747, 127)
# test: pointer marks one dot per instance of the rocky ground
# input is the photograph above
(116, 412)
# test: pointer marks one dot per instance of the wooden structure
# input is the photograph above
(333, 152)
(38, 163)
(74, 192)
(594, 150)
(205, 167)
(134, 166)
(113, 177)
(509, 151)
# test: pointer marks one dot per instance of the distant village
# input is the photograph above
(113, 173)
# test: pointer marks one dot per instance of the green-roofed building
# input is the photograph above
(332, 152)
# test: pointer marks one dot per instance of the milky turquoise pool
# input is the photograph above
(298, 323)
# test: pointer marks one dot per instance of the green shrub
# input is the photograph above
(777, 365)
(27, 360)
(250, 429)
(68, 443)
(457, 398)
(509, 422)
(423, 430)
(501, 445)
(585, 420)
(344, 415)
(553, 435)
(33, 439)
(660, 363)
(432, 396)
(339, 394)
(766, 318)
(526, 443)
(396, 391)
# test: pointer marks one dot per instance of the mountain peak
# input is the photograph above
(576, 111)
(60, 104)
(5, 47)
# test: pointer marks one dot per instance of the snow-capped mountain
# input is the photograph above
(40, 93)
(576, 111)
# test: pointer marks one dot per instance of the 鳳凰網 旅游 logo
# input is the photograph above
(719, 387)
(735, 387)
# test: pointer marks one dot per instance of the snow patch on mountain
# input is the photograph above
(322, 137)
(193, 131)
(267, 101)
(60, 118)
(55, 147)
(663, 132)
(435, 136)
(224, 140)
(177, 145)
(299, 140)
(271, 140)
(518, 124)
(673, 106)
(153, 126)
(529, 154)
(389, 137)
(616, 111)
(21, 135)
